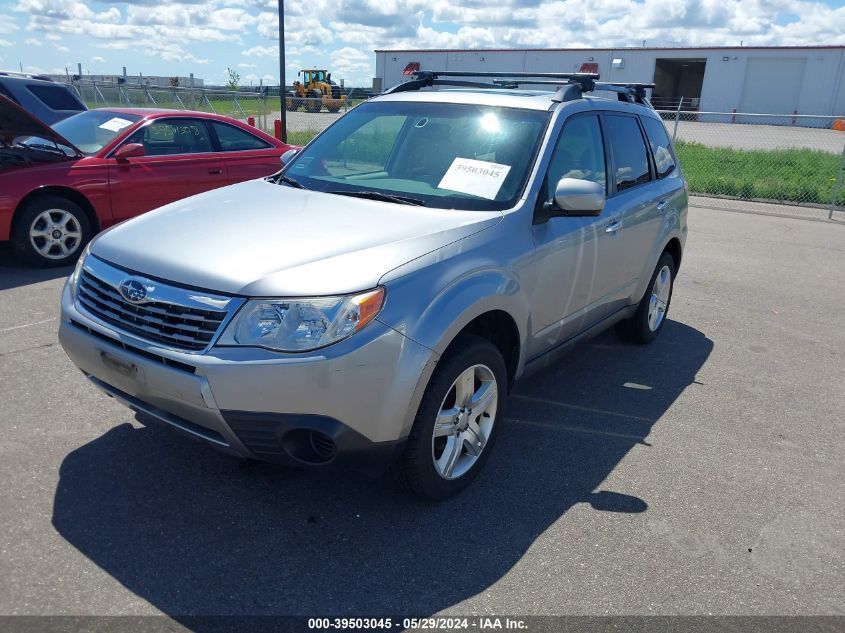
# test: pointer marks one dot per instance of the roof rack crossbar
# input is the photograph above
(572, 85)
(633, 92)
(426, 78)
(417, 84)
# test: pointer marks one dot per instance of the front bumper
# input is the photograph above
(349, 404)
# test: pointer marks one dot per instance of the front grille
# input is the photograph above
(173, 325)
(136, 350)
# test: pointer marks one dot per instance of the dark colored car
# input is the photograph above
(61, 184)
(47, 100)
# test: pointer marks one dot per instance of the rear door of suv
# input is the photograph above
(635, 205)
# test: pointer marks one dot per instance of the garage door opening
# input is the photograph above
(676, 79)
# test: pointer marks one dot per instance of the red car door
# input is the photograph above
(246, 155)
(179, 161)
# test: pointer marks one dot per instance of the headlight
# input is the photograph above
(299, 325)
(74, 276)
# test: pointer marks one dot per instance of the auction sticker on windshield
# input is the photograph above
(475, 177)
(115, 124)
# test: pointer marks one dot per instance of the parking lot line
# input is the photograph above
(20, 327)
(566, 405)
(552, 426)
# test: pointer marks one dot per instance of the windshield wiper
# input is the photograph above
(41, 147)
(290, 181)
(379, 195)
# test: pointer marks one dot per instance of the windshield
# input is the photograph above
(92, 130)
(449, 156)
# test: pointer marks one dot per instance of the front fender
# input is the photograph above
(436, 322)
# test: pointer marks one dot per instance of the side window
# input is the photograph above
(233, 139)
(5, 92)
(629, 152)
(165, 137)
(56, 97)
(661, 148)
(579, 153)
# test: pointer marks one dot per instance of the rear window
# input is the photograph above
(234, 139)
(55, 97)
(661, 149)
(630, 159)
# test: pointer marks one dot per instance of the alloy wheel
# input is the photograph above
(55, 234)
(464, 422)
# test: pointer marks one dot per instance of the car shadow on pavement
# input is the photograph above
(14, 272)
(195, 532)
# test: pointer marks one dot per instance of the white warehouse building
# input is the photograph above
(776, 80)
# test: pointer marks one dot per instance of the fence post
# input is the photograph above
(677, 116)
(733, 115)
(837, 188)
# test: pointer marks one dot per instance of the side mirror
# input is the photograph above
(130, 150)
(575, 197)
(288, 155)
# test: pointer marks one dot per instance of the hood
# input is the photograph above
(260, 239)
(16, 122)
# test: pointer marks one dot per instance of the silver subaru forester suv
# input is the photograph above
(373, 303)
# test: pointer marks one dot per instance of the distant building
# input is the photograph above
(779, 80)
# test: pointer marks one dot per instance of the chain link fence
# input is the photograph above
(732, 158)
(260, 106)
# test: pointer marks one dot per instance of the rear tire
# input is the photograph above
(51, 231)
(650, 317)
(314, 102)
(457, 421)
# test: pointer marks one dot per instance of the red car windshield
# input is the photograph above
(92, 130)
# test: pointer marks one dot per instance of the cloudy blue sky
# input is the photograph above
(207, 36)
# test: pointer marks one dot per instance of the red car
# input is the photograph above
(60, 185)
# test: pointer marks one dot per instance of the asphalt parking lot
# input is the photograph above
(700, 475)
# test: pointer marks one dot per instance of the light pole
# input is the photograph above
(283, 109)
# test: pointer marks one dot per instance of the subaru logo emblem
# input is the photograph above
(133, 290)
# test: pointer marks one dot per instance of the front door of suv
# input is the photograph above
(572, 268)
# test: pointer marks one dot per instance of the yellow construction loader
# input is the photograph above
(315, 91)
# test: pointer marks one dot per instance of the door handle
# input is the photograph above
(613, 226)
(215, 172)
(661, 206)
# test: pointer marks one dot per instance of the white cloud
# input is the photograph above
(341, 34)
(262, 51)
(96, 59)
(8, 24)
(31, 41)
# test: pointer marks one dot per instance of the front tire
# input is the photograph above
(51, 231)
(457, 421)
(650, 317)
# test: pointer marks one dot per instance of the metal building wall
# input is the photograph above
(821, 82)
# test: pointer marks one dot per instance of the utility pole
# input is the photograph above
(282, 109)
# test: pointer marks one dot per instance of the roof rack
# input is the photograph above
(10, 73)
(574, 84)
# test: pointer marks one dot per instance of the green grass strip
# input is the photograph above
(784, 175)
